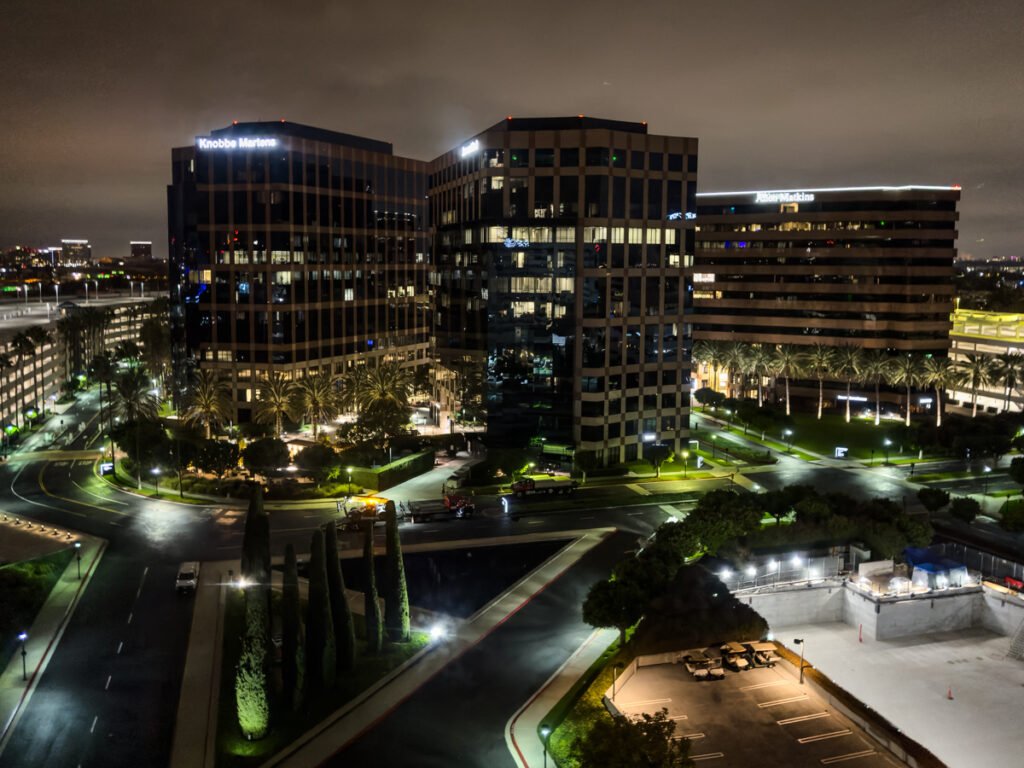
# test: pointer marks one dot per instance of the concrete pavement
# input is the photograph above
(45, 633)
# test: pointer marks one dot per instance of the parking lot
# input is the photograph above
(758, 717)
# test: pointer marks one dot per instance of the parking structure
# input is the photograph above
(758, 717)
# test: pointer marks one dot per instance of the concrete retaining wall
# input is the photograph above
(921, 615)
(1000, 612)
(802, 605)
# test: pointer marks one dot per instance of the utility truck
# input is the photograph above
(530, 485)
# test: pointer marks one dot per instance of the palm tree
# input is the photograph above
(134, 402)
(274, 401)
(906, 370)
(207, 401)
(102, 370)
(353, 383)
(316, 396)
(385, 399)
(734, 359)
(6, 366)
(876, 368)
(848, 360)
(155, 337)
(975, 371)
(41, 338)
(1009, 369)
(819, 365)
(760, 362)
(23, 349)
(940, 373)
(788, 363)
(710, 354)
(127, 352)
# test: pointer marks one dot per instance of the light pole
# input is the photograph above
(78, 558)
(86, 283)
(714, 446)
(24, 668)
(887, 442)
(56, 293)
(545, 732)
(788, 434)
(155, 471)
(350, 481)
(984, 490)
(775, 567)
(800, 642)
(26, 293)
(686, 461)
(752, 574)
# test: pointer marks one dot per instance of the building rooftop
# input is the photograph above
(812, 190)
(300, 131)
(576, 122)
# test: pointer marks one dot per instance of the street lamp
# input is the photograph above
(24, 668)
(788, 434)
(78, 558)
(887, 442)
(686, 461)
(775, 567)
(26, 293)
(545, 733)
(984, 491)
(800, 642)
(752, 574)
(349, 481)
(714, 446)
(155, 471)
(56, 292)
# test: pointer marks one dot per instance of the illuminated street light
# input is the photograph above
(800, 642)
(714, 446)
(349, 481)
(545, 733)
(437, 632)
(24, 668)
(984, 490)
(686, 461)
(78, 558)
(887, 442)
(724, 574)
(155, 471)
(788, 434)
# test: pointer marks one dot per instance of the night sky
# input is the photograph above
(780, 94)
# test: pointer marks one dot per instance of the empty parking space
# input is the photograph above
(758, 717)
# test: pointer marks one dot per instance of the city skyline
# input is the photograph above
(780, 97)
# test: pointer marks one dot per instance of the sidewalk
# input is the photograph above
(195, 731)
(44, 635)
(522, 732)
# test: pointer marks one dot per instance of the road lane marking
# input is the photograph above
(633, 704)
(633, 514)
(707, 756)
(803, 718)
(130, 614)
(83, 489)
(823, 736)
(764, 685)
(777, 702)
(107, 686)
(678, 717)
(120, 645)
(638, 490)
(690, 736)
(45, 490)
(848, 756)
(534, 522)
(93, 726)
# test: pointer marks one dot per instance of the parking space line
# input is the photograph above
(777, 702)
(707, 756)
(823, 736)
(633, 704)
(692, 736)
(677, 718)
(764, 685)
(803, 718)
(848, 756)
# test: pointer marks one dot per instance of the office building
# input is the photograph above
(297, 250)
(990, 335)
(75, 253)
(559, 247)
(141, 250)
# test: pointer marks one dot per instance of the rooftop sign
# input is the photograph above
(242, 142)
(469, 149)
(783, 197)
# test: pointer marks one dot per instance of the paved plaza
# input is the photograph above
(759, 717)
(908, 681)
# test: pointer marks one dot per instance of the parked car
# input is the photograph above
(188, 577)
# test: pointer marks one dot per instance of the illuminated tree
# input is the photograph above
(371, 604)
(396, 601)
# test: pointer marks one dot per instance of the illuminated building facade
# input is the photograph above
(74, 253)
(296, 250)
(990, 334)
(141, 250)
(559, 248)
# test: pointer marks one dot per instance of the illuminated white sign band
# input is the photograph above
(514, 243)
(242, 142)
(784, 197)
(469, 149)
(676, 215)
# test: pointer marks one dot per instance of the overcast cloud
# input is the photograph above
(780, 94)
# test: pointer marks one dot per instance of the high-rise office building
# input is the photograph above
(75, 252)
(864, 266)
(142, 250)
(295, 249)
(559, 248)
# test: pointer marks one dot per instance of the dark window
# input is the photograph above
(619, 197)
(569, 195)
(520, 158)
(570, 158)
(544, 158)
(592, 434)
(618, 158)
(654, 161)
(636, 161)
(597, 156)
(675, 162)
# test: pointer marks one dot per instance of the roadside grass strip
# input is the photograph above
(848, 756)
(824, 736)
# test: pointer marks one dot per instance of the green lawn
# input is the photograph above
(286, 726)
(860, 437)
(24, 588)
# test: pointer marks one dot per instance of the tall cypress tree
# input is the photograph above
(396, 599)
(320, 654)
(293, 653)
(371, 605)
(252, 692)
(256, 540)
(344, 629)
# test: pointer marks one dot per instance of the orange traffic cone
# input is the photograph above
(949, 693)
